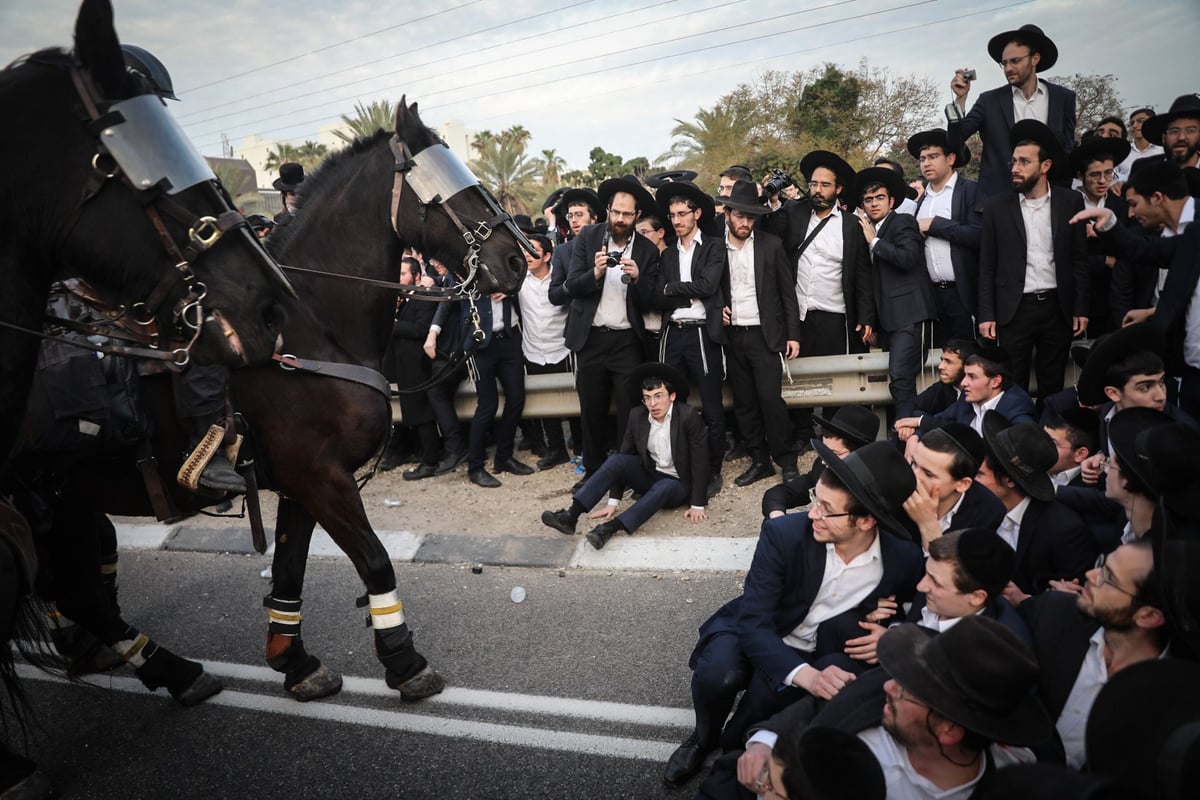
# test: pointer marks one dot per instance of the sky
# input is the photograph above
(585, 73)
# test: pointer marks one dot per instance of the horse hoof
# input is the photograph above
(322, 683)
(199, 690)
(97, 661)
(425, 683)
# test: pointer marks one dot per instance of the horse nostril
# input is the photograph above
(272, 316)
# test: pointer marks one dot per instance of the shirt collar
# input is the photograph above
(1018, 94)
(696, 240)
(1018, 512)
(728, 246)
(1041, 201)
(949, 187)
(988, 405)
(872, 553)
(666, 420)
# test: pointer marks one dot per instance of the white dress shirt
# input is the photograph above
(1010, 526)
(695, 310)
(1065, 477)
(1039, 244)
(1122, 169)
(743, 299)
(1036, 107)
(659, 444)
(937, 251)
(905, 783)
(543, 327)
(981, 409)
(819, 271)
(612, 311)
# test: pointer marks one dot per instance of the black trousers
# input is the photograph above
(689, 349)
(549, 430)
(954, 320)
(1038, 335)
(501, 361)
(755, 377)
(603, 368)
(824, 333)
(441, 400)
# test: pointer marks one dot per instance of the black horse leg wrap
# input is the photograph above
(295, 663)
(396, 652)
(165, 669)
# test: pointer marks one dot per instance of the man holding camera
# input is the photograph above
(609, 287)
(1022, 54)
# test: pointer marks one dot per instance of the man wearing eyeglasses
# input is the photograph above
(1022, 54)
(1094, 163)
(1178, 130)
(1081, 641)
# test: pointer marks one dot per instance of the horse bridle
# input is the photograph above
(178, 284)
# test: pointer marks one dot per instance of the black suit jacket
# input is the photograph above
(1053, 544)
(1061, 634)
(992, 118)
(790, 223)
(903, 291)
(584, 290)
(1002, 256)
(962, 230)
(979, 509)
(775, 287)
(781, 584)
(708, 267)
(937, 397)
(689, 447)
(559, 262)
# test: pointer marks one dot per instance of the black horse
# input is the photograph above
(71, 208)
(310, 432)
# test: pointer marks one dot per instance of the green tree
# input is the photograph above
(502, 165)
(552, 166)
(378, 115)
(828, 109)
(308, 155)
(603, 165)
(1096, 97)
(709, 143)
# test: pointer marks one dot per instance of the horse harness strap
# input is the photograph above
(355, 373)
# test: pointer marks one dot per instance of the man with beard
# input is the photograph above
(1178, 130)
(609, 283)
(1033, 271)
(580, 208)
(687, 288)
(1022, 54)
(763, 323)
(951, 224)
(1082, 641)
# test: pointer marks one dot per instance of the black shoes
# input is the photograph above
(450, 462)
(756, 472)
(553, 459)
(790, 473)
(715, 484)
(559, 520)
(420, 472)
(598, 536)
(739, 451)
(481, 477)
(510, 464)
(685, 762)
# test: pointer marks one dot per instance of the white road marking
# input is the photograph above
(517, 735)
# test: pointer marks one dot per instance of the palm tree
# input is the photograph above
(552, 166)
(281, 154)
(709, 143)
(311, 154)
(379, 115)
(503, 166)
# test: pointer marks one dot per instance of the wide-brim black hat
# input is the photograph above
(1128, 433)
(744, 197)
(1096, 146)
(668, 374)
(1038, 41)
(1024, 452)
(551, 201)
(832, 162)
(1186, 105)
(631, 185)
(978, 674)
(856, 425)
(1108, 350)
(291, 175)
(1034, 131)
(660, 179)
(580, 195)
(891, 179)
(878, 477)
(684, 189)
(937, 137)
(1159, 701)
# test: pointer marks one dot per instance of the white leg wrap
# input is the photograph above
(386, 610)
(133, 650)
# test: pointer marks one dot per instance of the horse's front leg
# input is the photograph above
(305, 677)
(338, 506)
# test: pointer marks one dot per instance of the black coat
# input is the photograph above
(689, 447)
(775, 287)
(1052, 544)
(962, 230)
(708, 267)
(584, 290)
(405, 363)
(903, 291)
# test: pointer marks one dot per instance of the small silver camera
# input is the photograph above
(968, 74)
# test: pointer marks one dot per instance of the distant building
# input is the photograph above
(458, 137)
(240, 180)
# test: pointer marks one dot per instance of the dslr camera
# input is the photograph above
(778, 181)
(613, 259)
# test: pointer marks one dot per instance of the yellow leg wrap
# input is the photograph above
(189, 473)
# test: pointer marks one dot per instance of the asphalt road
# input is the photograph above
(579, 691)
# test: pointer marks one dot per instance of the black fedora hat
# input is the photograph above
(832, 162)
(684, 189)
(985, 558)
(291, 175)
(1186, 105)
(1037, 41)
(668, 374)
(1024, 452)
(580, 195)
(937, 137)
(856, 425)
(524, 223)
(1144, 729)
(978, 674)
(1099, 146)
(552, 199)
(1162, 465)
(878, 477)
(744, 197)
(1108, 350)
(824, 762)
(631, 185)
(892, 180)
(659, 179)
(1034, 131)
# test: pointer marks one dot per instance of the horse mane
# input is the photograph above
(319, 181)
(49, 56)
